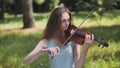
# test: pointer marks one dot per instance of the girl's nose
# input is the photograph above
(67, 22)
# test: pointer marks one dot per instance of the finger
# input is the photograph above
(57, 48)
(51, 53)
(54, 52)
(87, 37)
(92, 37)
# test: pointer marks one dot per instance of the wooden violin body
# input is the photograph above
(79, 36)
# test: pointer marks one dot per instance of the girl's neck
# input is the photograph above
(59, 43)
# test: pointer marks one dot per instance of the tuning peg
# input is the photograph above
(102, 46)
(99, 45)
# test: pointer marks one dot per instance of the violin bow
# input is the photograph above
(90, 13)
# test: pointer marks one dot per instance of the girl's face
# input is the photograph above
(65, 21)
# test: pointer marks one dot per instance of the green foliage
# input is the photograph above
(16, 43)
(10, 1)
(39, 1)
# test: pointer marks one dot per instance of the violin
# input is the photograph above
(79, 36)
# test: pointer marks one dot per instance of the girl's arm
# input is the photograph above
(40, 49)
(76, 53)
(88, 42)
(37, 51)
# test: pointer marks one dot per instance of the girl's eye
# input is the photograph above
(65, 20)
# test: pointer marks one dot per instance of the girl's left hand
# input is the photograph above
(89, 40)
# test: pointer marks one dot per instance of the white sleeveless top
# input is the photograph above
(64, 57)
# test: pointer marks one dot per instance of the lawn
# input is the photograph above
(16, 43)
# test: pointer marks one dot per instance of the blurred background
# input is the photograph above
(22, 23)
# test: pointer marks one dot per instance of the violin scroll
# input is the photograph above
(102, 43)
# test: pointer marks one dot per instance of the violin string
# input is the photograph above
(78, 26)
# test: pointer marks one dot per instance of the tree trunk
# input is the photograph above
(28, 19)
(2, 9)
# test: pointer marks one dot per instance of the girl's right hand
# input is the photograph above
(53, 51)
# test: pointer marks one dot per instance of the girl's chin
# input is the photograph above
(65, 28)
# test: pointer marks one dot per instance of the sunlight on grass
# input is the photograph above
(94, 22)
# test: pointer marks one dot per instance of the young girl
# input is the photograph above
(60, 56)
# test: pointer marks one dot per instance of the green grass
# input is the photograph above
(16, 43)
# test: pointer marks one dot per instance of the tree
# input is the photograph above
(28, 18)
(2, 9)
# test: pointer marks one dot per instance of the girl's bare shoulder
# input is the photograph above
(43, 42)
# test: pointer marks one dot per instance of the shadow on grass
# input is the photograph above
(107, 33)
